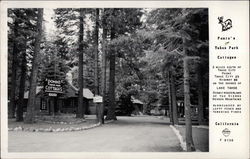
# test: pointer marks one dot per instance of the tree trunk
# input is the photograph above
(104, 66)
(33, 80)
(174, 103)
(81, 107)
(200, 96)
(189, 138)
(170, 98)
(111, 109)
(96, 71)
(19, 113)
(52, 105)
(12, 106)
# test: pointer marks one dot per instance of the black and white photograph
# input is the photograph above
(108, 79)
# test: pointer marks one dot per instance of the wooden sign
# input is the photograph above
(97, 99)
(52, 94)
(53, 86)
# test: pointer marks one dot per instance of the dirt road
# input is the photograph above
(127, 134)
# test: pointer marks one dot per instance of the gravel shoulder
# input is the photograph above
(45, 125)
(200, 137)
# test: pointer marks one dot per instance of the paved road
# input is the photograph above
(127, 134)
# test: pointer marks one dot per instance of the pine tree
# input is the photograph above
(81, 107)
(96, 79)
(29, 118)
(118, 17)
(104, 62)
(12, 106)
(19, 110)
(170, 98)
(112, 103)
(180, 35)
(23, 40)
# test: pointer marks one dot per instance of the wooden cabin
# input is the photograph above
(157, 108)
(70, 100)
(138, 106)
(63, 103)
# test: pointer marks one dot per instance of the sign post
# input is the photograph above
(98, 102)
(53, 88)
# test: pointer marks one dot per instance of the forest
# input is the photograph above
(157, 55)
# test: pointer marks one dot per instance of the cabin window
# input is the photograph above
(43, 104)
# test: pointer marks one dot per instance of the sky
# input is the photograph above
(49, 23)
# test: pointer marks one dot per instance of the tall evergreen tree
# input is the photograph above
(29, 118)
(121, 21)
(19, 111)
(81, 107)
(104, 61)
(112, 103)
(188, 120)
(200, 95)
(180, 36)
(97, 89)
(12, 106)
(20, 38)
(96, 52)
(170, 98)
(173, 98)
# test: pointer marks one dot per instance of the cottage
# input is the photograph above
(70, 100)
(63, 103)
(138, 106)
(158, 109)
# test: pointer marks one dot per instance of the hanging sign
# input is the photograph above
(53, 86)
(52, 94)
(97, 99)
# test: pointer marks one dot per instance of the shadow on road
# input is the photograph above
(121, 120)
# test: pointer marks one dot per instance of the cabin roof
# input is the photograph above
(38, 89)
(71, 92)
(136, 101)
(87, 93)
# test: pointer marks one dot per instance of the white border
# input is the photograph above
(224, 7)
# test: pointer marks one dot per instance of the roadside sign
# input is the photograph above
(52, 94)
(97, 99)
(53, 86)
